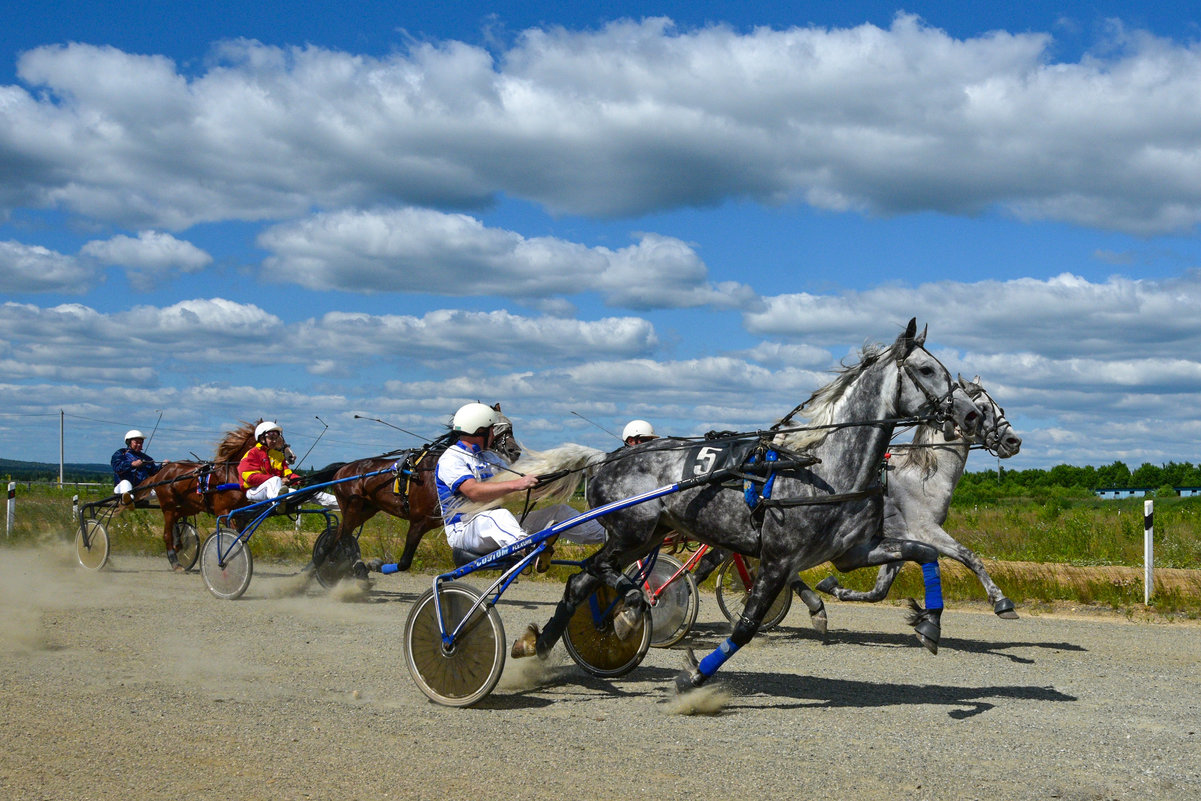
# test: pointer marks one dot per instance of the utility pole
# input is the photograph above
(60, 448)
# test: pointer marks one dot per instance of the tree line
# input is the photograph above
(1088, 478)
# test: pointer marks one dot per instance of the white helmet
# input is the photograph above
(638, 428)
(265, 426)
(471, 417)
(133, 433)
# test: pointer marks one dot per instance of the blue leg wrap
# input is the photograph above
(713, 661)
(933, 585)
(392, 568)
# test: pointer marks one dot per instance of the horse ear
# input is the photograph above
(905, 340)
(976, 380)
(496, 406)
(921, 338)
(961, 380)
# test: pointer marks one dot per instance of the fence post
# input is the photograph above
(1148, 550)
(12, 503)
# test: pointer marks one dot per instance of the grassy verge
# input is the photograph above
(1034, 542)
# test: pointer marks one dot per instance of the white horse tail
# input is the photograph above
(576, 460)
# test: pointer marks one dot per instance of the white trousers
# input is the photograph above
(125, 486)
(272, 487)
(496, 528)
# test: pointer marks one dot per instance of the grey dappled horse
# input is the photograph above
(921, 479)
(851, 421)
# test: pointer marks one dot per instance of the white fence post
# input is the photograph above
(12, 504)
(1148, 550)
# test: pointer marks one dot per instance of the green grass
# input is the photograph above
(1053, 530)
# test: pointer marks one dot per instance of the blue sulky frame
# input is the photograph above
(225, 561)
(454, 639)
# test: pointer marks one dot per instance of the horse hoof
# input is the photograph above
(818, 619)
(625, 621)
(828, 585)
(927, 634)
(527, 643)
(1004, 608)
(688, 680)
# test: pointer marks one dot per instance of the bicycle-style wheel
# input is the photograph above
(187, 544)
(466, 671)
(674, 601)
(592, 643)
(335, 561)
(91, 544)
(734, 588)
(226, 564)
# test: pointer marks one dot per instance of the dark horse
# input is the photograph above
(189, 488)
(409, 496)
(828, 512)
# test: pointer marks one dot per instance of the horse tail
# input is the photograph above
(569, 463)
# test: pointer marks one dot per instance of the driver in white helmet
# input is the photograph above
(264, 471)
(462, 477)
(637, 432)
(131, 466)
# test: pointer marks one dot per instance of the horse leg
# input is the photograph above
(925, 621)
(813, 602)
(169, 518)
(417, 529)
(884, 580)
(579, 587)
(768, 584)
(949, 546)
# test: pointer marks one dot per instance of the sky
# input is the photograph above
(354, 220)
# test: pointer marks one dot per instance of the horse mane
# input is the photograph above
(819, 409)
(234, 444)
(918, 453)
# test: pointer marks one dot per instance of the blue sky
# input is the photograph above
(686, 212)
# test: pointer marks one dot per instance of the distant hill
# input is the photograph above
(72, 471)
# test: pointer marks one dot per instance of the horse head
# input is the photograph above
(925, 387)
(995, 433)
(503, 441)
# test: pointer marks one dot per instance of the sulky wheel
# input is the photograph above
(333, 563)
(467, 670)
(673, 605)
(735, 578)
(592, 643)
(187, 544)
(91, 544)
(226, 564)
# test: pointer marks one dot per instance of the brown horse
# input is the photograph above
(189, 488)
(414, 500)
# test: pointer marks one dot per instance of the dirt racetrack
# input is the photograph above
(134, 683)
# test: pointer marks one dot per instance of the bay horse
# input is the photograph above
(187, 488)
(830, 511)
(417, 499)
(921, 480)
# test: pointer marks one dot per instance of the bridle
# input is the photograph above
(941, 407)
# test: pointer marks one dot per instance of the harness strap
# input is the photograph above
(844, 497)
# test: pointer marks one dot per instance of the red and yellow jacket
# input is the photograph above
(260, 464)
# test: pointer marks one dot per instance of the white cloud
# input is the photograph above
(629, 118)
(150, 258)
(32, 268)
(421, 250)
(1062, 317)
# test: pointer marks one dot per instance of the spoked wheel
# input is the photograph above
(674, 610)
(592, 643)
(735, 578)
(226, 564)
(334, 562)
(466, 671)
(91, 544)
(187, 544)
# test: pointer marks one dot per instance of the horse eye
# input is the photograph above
(927, 371)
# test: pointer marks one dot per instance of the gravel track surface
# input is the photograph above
(135, 683)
